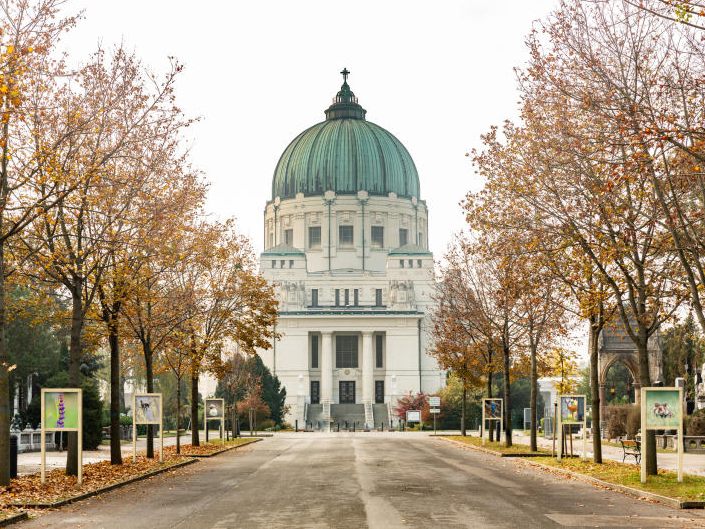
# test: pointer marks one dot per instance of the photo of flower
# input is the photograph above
(61, 410)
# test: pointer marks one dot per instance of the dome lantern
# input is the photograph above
(345, 154)
(345, 103)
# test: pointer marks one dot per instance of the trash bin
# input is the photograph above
(13, 456)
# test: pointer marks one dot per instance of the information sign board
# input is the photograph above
(214, 410)
(492, 410)
(61, 411)
(662, 409)
(413, 416)
(147, 409)
(571, 411)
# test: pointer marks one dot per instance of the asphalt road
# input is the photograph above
(373, 480)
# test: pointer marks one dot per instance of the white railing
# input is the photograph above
(29, 440)
(369, 415)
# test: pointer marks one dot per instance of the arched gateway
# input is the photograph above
(615, 346)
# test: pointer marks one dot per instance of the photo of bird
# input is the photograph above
(572, 409)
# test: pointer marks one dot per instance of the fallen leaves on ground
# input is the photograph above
(211, 447)
(29, 489)
(7, 512)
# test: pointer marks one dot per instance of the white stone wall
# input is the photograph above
(330, 211)
(406, 281)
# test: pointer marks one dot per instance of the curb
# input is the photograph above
(490, 451)
(227, 449)
(13, 519)
(629, 491)
(101, 490)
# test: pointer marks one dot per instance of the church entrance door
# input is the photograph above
(315, 392)
(379, 391)
(347, 392)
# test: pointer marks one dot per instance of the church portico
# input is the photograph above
(346, 249)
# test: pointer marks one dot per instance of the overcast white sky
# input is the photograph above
(435, 74)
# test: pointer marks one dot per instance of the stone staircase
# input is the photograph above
(347, 414)
(342, 416)
(381, 415)
(314, 416)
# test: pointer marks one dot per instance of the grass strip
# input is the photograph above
(691, 490)
(495, 448)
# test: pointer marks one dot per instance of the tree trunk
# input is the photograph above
(507, 399)
(489, 388)
(4, 382)
(75, 353)
(195, 441)
(149, 373)
(648, 437)
(595, 329)
(113, 341)
(463, 412)
(533, 399)
(178, 415)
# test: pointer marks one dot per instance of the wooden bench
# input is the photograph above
(631, 448)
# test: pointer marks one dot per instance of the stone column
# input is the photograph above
(368, 384)
(603, 407)
(326, 367)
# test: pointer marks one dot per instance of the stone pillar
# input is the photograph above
(637, 393)
(368, 384)
(326, 367)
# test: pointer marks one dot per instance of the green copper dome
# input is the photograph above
(346, 154)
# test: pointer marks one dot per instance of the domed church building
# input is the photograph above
(346, 247)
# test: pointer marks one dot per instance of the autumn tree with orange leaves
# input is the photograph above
(607, 164)
(74, 245)
(150, 301)
(33, 134)
(229, 303)
(483, 310)
(462, 339)
(159, 196)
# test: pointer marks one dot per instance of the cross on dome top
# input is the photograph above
(345, 103)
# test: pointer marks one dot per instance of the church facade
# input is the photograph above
(346, 248)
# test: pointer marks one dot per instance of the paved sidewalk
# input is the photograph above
(30, 462)
(692, 463)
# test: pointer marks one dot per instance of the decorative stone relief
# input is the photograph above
(401, 293)
(293, 294)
